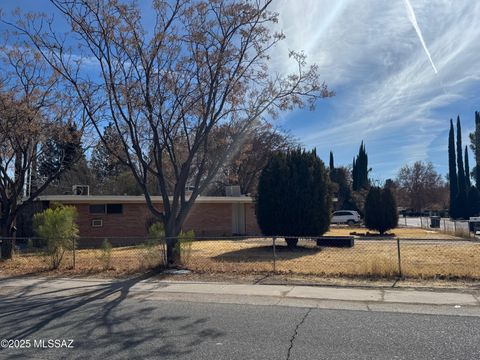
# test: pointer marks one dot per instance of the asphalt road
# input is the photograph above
(113, 325)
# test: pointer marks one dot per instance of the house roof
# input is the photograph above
(128, 199)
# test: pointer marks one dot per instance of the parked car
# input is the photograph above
(349, 217)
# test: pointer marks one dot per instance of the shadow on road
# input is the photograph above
(98, 314)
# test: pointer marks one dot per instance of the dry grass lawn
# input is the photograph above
(432, 256)
(423, 259)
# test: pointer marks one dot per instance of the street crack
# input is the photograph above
(295, 333)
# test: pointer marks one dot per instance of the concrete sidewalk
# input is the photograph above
(311, 296)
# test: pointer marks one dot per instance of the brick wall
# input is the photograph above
(252, 227)
(205, 219)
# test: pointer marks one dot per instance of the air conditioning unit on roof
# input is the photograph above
(232, 190)
(81, 190)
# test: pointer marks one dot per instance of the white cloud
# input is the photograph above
(387, 91)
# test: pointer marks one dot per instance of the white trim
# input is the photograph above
(125, 199)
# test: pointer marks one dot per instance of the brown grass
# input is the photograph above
(429, 258)
(124, 261)
(423, 259)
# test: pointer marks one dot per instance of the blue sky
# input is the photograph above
(388, 92)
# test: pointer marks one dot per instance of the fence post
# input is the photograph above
(421, 223)
(274, 255)
(455, 227)
(74, 246)
(405, 221)
(444, 227)
(399, 258)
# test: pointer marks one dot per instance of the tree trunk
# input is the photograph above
(171, 236)
(6, 247)
(291, 242)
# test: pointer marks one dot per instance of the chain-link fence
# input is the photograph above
(368, 257)
(459, 228)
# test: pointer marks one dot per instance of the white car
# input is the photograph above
(349, 217)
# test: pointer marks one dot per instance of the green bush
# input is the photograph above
(293, 197)
(105, 256)
(184, 245)
(380, 210)
(156, 231)
(57, 226)
(154, 247)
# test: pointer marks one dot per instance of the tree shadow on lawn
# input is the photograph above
(265, 253)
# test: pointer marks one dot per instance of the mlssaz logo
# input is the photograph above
(53, 343)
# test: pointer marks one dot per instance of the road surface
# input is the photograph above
(111, 323)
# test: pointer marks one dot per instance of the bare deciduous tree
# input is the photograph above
(167, 88)
(33, 109)
(420, 186)
(245, 166)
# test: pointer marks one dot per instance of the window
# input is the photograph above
(106, 209)
(114, 208)
(97, 209)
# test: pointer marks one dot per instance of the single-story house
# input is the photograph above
(128, 216)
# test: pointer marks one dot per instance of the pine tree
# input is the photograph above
(61, 153)
(462, 186)
(452, 172)
(105, 159)
(467, 171)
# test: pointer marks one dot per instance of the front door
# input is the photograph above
(238, 219)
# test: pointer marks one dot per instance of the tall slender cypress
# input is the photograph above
(354, 175)
(462, 185)
(475, 145)
(360, 169)
(332, 166)
(467, 171)
(452, 172)
(461, 170)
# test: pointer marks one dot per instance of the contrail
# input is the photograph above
(413, 20)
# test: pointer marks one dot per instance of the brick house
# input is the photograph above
(128, 216)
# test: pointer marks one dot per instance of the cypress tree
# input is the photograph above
(354, 175)
(331, 162)
(475, 146)
(293, 196)
(467, 171)
(380, 210)
(462, 205)
(360, 169)
(473, 202)
(452, 172)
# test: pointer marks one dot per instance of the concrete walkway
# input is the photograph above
(300, 296)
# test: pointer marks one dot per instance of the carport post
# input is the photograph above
(399, 258)
(274, 255)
